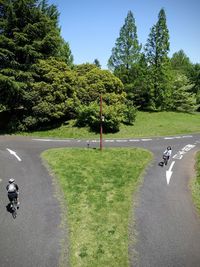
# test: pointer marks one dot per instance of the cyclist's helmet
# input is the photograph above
(169, 148)
(11, 180)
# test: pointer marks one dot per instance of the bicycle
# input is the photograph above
(14, 207)
(164, 161)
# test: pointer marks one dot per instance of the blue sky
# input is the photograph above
(92, 26)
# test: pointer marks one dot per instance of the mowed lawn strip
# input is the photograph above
(195, 183)
(98, 191)
(147, 124)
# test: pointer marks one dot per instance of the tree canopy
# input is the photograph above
(27, 35)
(156, 51)
(127, 48)
(40, 85)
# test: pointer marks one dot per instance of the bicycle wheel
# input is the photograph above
(14, 211)
(14, 214)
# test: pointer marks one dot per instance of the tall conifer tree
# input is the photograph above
(127, 48)
(156, 51)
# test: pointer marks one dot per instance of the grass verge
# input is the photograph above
(195, 183)
(146, 124)
(98, 189)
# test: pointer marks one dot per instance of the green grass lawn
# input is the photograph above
(195, 184)
(146, 124)
(98, 187)
(98, 191)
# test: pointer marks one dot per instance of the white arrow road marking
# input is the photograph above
(169, 172)
(14, 154)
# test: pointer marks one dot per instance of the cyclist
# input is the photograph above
(13, 191)
(167, 154)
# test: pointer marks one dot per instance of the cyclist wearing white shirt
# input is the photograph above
(167, 153)
(13, 191)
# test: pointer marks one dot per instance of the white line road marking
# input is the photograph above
(169, 172)
(177, 156)
(122, 140)
(178, 137)
(14, 154)
(51, 140)
(188, 147)
(0, 180)
(134, 140)
(146, 139)
(183, 151)
(109, 141)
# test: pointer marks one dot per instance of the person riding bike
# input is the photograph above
(167, 154)
(13, 191)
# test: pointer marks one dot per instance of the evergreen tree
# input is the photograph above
(97, 63)
(183, 97)
(65, 54)
(194, 77)
(127, 48)
(52, 98)
(92, 82)
(159, 74)
(50, 10)
(137, 88)
(26, 35)
(180, 62)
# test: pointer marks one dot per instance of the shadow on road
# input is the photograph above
(161, 163)
(10, 209)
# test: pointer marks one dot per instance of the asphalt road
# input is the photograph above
(168, 228)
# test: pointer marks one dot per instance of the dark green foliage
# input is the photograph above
(129, 113)
(97, 63)
(40, 86)
(27, 35)
(125, 59)
(90, 116)
(194, 77)
(50, 10)
(127, 48)
(181, 63)
(186, 82)
(51, 97)
(137, 88)
(59, 93)
(159, 75)
(183, 99)
(65, 54)
(92, 83)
